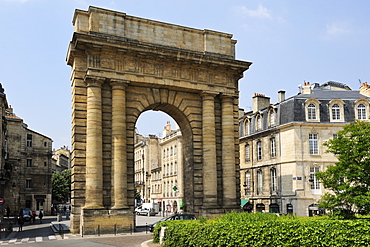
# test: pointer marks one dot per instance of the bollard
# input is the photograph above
(82, 231)
(115, 229)
(146, 228)
(98, 230)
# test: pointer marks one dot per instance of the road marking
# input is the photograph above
(25, 240)
(52, 237)
(38, 239)
(12, 241)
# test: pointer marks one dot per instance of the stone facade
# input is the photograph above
(171, 195)
(29, 159)
(61, 159)
(4, 168)
(124, 65)
(281, 145)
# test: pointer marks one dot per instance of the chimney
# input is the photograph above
(167, 129)
(365, 89)
(260, 101)
(281, 96)
(306, 89)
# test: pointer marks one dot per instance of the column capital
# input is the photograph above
(94, 81)
(229, 95)
(118, 84)
(209, 93)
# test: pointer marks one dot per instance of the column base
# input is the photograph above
(104, 221)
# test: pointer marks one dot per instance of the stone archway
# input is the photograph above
(123, 66)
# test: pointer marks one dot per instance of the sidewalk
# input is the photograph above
(63, 228)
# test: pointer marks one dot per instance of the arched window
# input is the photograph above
(272, 118)
(247, 127)
(335, 110)
(311, 111)
(259, 122)
(361, 112)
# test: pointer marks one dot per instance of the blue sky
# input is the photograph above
(288, 41)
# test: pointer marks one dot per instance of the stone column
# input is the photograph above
(209, 151)
(119, 160)
(94, 143)
(228, 152)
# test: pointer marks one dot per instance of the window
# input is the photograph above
(247, 127)
(335, 111)
(259, 150)
(29, 140)
(259, 122)
(313, 143)
(247, 184)
(273, 147)
(28, 183)
(272, 118)
(259, 182)
(247, 153)
(273, 179)
(45, 144)
(315, 185)
(29, 162)
(311, 111)
(361, 112)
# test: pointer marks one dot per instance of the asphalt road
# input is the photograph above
(37, 234)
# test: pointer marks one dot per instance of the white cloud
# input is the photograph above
(337, 29)
(260, 12)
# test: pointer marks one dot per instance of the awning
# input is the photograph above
(243, 202)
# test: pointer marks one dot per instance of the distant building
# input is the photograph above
(172, 170)
(158, 169)
(281, 145)
(61, 159)
(29, 161)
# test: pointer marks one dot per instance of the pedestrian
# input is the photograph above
(20, 223)
(33, 218)
(40, 216)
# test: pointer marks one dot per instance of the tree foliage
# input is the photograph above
(61, 185)
(349, 178)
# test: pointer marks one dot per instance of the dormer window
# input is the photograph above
(247, 127)
(336, 110)
(272, 118)
(312, 110)
(259, 122)
(361, 112)
(362, 109)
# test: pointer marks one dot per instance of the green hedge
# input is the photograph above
(266, 230)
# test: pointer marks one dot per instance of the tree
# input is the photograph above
(349, 178)
(61, 185)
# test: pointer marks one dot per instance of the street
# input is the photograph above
(37, 234)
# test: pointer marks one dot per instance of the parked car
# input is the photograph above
(26, 213)
(174, 217)
(145, 211)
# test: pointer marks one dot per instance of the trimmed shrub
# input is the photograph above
(244, 229)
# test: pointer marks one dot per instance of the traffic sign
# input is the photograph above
(1, 200)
